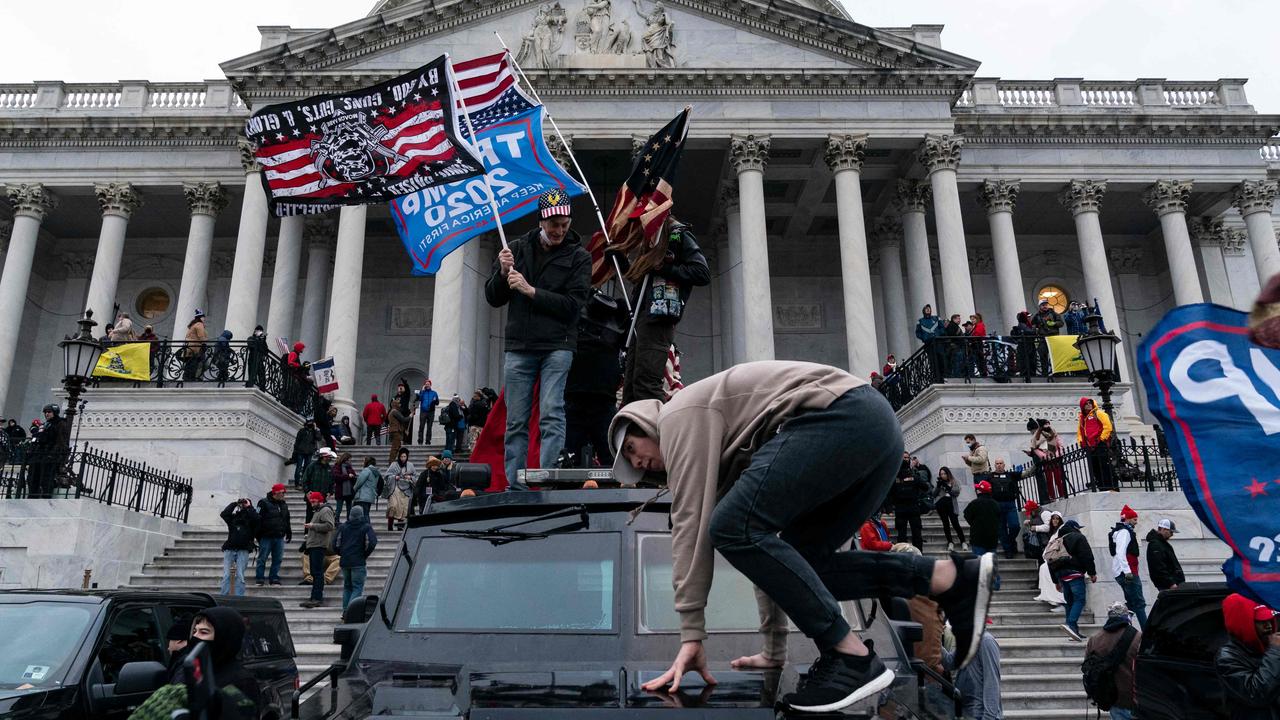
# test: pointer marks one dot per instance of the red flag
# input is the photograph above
(490, 446)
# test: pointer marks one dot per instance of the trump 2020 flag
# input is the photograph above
(324, 376)
(1217, 395)
(365, 146)
(433, 222)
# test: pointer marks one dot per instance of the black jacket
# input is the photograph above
(907, 491)
(1162, 562)
(306, 441)
(1250, 681)
(1004, 486)
(50, 434)
(1047, 323)
(355, 542)
(562, 278)
(242, 526)
(685, 267)
(983, 517)
(273, 519)
(1081, 560)
(477, 413)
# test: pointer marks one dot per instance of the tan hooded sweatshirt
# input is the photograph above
(707, 434)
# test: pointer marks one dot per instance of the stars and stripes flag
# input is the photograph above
(642, 206)
(370, 145)
(488, 87)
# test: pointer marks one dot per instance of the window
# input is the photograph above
(1057, 297)
(152, 303)
(40, 641)
(731, 606)
(134, 637)
(560, 583)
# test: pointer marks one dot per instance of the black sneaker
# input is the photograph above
(967, 602)
(277, 582)
(836, 681)
(259, 583)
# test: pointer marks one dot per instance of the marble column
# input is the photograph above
(725, 297)
(118, 202)
(999, 197)
(484, 318)
(31, 203)
(1168, 198)
(1254, 198)
(888, 231)
(251, 246)
(733, 231)
(912, 200)
(453, 323)
(320, 231)
(1207, 234)
(1084, 199)
(205, 200)
(344, 308)
(940, 155)
(284, 276)
(844, 155)
(749, 155)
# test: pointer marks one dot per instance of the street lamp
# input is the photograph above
(79, 357)
(1099, 351)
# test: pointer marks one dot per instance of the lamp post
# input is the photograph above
(80, 355)
(1099, 351)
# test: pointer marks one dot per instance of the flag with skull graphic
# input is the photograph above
(365, 146)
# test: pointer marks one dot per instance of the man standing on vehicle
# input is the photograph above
(776, 465)
(274, 531)
(1123, 543)
(1108, 666)
(1162, 561)
(320, 530)
(1248, 664)
(545, 280)
(242, 526)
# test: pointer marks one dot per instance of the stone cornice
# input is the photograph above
(999, 195)
(749, 152)
(1083, 196)
(78, 132)
(1108, 126)
(1167, 196)
(845, 152)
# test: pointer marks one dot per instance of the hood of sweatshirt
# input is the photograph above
(228, 633)
(1238, 613)
(644, 414)
(356, 518)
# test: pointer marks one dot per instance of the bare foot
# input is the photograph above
(755, 662)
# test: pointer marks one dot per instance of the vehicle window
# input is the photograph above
(39, 641)
(731, 606)
(560, 583)
(267, 635)
(1195, 634)
(134, 636)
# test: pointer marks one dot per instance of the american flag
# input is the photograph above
(488, 87)
(642, 205)
(671, 373)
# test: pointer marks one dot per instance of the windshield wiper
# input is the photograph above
(503, 534)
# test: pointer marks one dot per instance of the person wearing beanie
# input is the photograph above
(983, 518)
(1162, 561)
(544, 280)
(1103, 643)
(1248, 664)
(274, 530)
(355, 542)
(1123, 543)
(375, 415)
(176, 640)
(320, 529)
(1264, 318)
(1070, 571)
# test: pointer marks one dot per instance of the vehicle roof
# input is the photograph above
(542, 501)
(98, 597)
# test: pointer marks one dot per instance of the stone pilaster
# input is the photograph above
(251, 247)
(940, 155)
(999, 198)
(118, 202)
(887, 231)
(205, 200)
(319, 232)
(1168, 198)
(913, 200)
(844, 154)
(749, 156)
(30, 204)
(1208, 234)
(342, 338)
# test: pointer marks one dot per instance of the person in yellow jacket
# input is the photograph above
(1094, 432)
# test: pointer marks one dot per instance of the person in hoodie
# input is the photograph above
(1102, 644)
(366, 490)
(236, 692)
(242, 528)
(355, 542)
(274, 530)
(258, 352)
(1025, 336)
(874, 534)
(222, 356)
(1069, 574)
(1248, 665)
(1162, 561)
(1094, 432)
(1050, 522)
(544, 279)
(1123, 542)
(775, 465)
(375, 415)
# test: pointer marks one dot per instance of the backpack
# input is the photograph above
(1098, 672)
(382, 484)
(1055, 552)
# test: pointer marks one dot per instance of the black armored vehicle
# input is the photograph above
(559, 604)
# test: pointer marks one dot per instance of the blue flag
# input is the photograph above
(1217, 395)
(436, 221)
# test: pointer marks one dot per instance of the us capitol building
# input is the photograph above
(838, 176)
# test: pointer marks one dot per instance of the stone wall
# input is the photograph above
(52, 543)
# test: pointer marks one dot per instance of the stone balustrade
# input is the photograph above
(125, 97)
(1077, 95)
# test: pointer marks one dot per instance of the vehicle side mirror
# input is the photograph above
(345, 636)
(141, 677)
(360, 610)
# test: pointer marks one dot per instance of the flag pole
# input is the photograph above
(617, 269)
(493, 200)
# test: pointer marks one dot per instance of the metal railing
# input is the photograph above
(964, 358)
(1133, 464)
(33, 472)
(175, 364)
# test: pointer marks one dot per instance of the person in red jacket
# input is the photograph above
(375, 414)
(874, 535)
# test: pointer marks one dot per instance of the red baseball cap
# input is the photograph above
(315, 496)
(983, 487)
(278, 487)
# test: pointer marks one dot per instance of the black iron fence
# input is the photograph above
(1021, 358)
(1133, 464)
(30, 472)
(175, 363)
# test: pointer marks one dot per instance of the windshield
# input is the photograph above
(39, 640)
(558, 583)
(731, 606)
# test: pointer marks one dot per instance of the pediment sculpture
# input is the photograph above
(602, 37)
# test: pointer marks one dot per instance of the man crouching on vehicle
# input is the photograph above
(776, 465)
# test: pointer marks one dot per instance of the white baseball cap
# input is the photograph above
(1167, 524)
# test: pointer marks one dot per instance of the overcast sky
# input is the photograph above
(107, 40)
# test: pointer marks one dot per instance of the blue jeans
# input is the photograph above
(300, 463)
(239, 558)
(1073, 591)
(1009, 527)
(1119, 713)
(352, 584)
(806, 492)
(1134, 599)
(275, 548)
(337, 514)
(522, 370)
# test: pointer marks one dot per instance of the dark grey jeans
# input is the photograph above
(805, 494)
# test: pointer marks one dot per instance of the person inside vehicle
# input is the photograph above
(1248, 664)
(776, 465)
(237, 696)
(176, 642)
